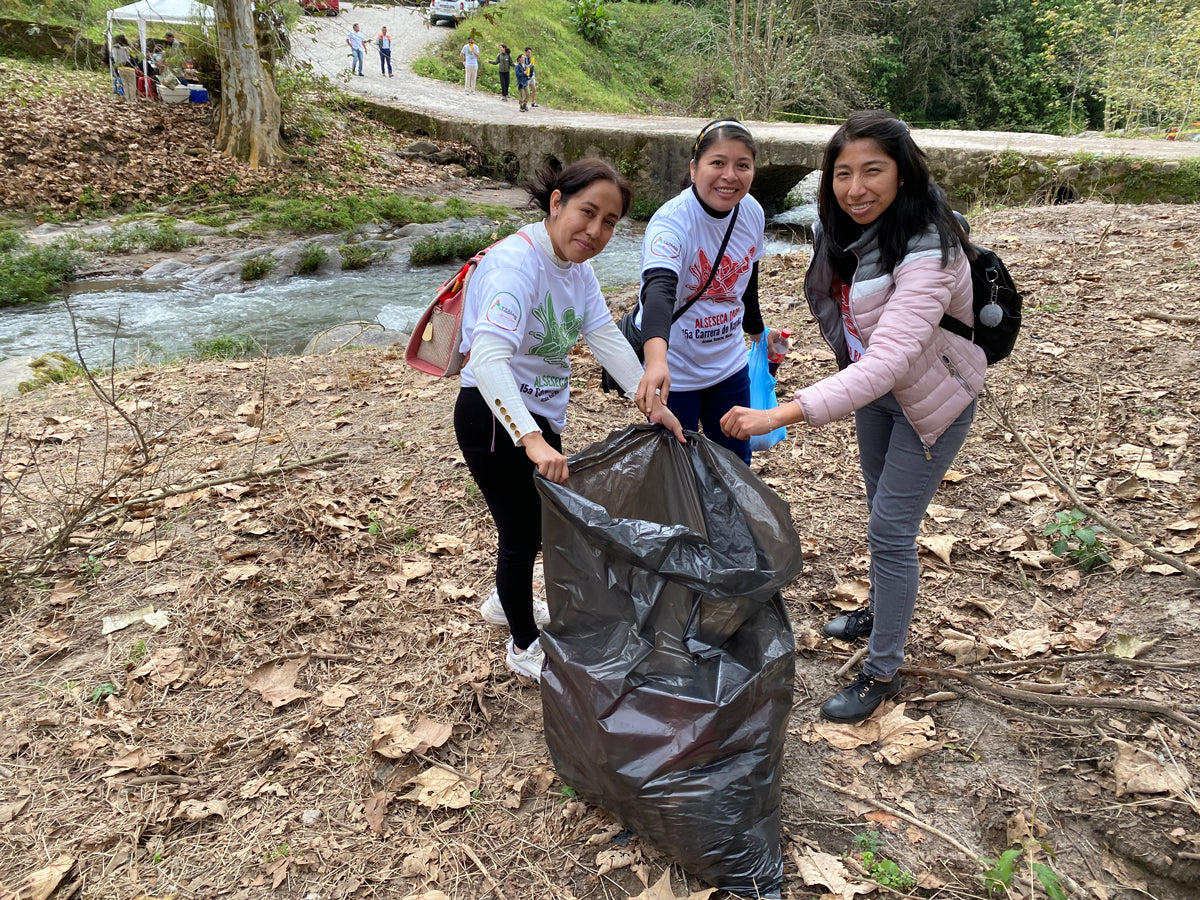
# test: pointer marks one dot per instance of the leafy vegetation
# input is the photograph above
(998, 879)
(1076, 541)
(358, 256)
(438, 248)
(883, 870)
(312, 257)
(258, 266)
(591, 20)
(34, 274)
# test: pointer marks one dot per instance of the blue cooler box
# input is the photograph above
(199, 93)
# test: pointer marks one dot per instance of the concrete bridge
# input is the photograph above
(653, 151)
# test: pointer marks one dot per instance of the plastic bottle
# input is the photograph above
(777, 346)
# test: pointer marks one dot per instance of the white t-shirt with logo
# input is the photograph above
(706, 344)
(538, 308)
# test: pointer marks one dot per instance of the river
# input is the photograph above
(125, 321)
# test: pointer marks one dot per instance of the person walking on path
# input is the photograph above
(532, 77)
(384, 43)
(699, 295)
(470, 57)
(504, 62)
(890, 259)
(522, 68)
(527, 304)
(355, 41)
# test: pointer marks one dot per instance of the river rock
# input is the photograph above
(353, 334)
(13, 371)
(167, 268)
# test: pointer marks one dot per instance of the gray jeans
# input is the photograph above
(901, 482)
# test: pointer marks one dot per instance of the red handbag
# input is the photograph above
(433, 346)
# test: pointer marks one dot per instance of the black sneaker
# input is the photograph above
(851, 626)
(855, 703)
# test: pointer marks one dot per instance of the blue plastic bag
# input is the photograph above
(762, 394)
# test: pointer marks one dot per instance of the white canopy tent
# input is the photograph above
(166, 12)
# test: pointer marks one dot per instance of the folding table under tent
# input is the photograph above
(165, 12)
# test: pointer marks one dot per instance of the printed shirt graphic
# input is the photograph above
(540, 310)
(854, 343)
(707, 344)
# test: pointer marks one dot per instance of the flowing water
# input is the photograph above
(127, 320)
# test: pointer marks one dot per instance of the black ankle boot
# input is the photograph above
(851, 626)
(855, 703)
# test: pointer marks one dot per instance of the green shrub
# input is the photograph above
(256, 267)
(438, 248)
(240, 346)
(312, 257)
(591, 20)
(357, 256)
(35, 275)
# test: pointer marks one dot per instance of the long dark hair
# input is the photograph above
(724, 129)
(574, 178)
(919, 201)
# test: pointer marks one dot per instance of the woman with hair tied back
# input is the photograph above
(699, 292)
(890, 258)
(529, 300)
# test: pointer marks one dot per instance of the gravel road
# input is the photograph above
(324, 47)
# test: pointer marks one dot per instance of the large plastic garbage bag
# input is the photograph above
(670, 656)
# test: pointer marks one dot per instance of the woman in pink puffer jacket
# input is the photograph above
(889, 260)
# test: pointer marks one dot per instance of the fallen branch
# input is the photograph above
(983, 684)
(483, 869)
(924, 826)
(1166, 317)
(1001, 417)
(163, 493)
(1178, 665)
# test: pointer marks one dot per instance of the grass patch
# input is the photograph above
(240, 346)
(639, 67)
(358, 256)
(438, 248)
(256, 267)
(162, 236)
(312, 257)
(34, 274)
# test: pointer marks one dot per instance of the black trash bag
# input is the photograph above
(670, 657)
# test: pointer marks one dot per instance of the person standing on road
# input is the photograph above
(470, 57)
(532, 78)
(530, 300)
(523, 69)
(504, 61)
(355, 41)
(890, 260)
(384, 43)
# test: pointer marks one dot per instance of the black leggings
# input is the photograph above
(504, 83)
(505, 478)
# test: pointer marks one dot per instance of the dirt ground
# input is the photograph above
(315, 710)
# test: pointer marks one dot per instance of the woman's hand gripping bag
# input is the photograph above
(762, 393)
(670, 657)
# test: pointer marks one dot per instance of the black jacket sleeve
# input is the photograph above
(659, 287)
(752, 321)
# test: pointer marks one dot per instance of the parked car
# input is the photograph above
(450, 11)
(329, 7)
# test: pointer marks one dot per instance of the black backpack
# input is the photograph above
(997, 307)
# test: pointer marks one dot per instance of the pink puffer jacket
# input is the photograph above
(933, 373)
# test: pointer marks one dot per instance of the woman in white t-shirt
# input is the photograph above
(696, 354)
(530, 299)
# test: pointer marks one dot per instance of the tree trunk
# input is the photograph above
(250, 115)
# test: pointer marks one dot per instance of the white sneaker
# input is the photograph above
(493, 611)
(527, 663)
